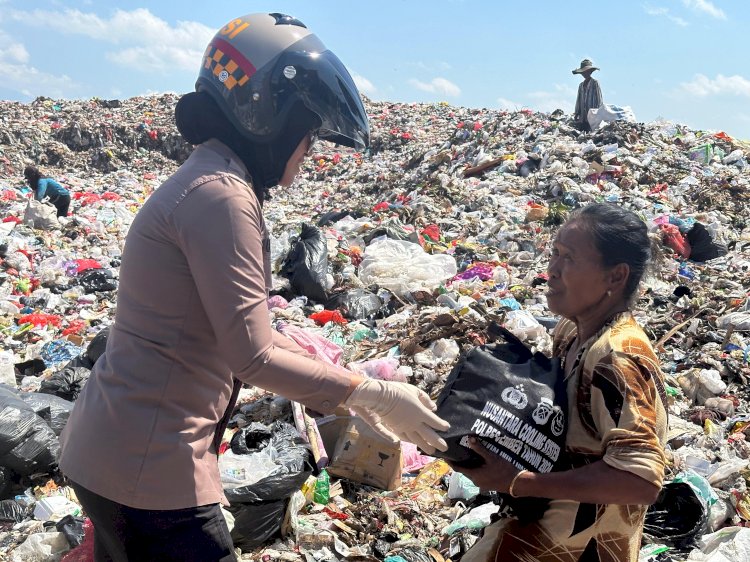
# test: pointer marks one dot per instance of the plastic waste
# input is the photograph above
(11, 510)
(27, 444)
(306, 265)
(322, 488)
(711, 380)
(477, 518)
(291, 466)
(678, 518)
(73, 529)
(607, 113)
(461, 488)
(40, 215)
(730, 544)
(356, 304)
(66, 383)
(7, 370)
(54, 508)
(402, 267)
(40, 546)
(52, 409)
(85, 551)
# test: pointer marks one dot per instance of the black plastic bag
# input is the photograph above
(29, 368)
(702, 246)
(678, 518)
(72, 528)
(16, 420)
(97, 280)
(393, 229)
(52, 409)
(306, 265)
(513, 401)
(251, 438)
(331, 217)
(295, 458)
(11, 510)
(6, 481)
(97, 346)
(357, 304)
(27, 444)
(66, 383)
(255, 523)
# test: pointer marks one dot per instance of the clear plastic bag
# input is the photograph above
(401, 266)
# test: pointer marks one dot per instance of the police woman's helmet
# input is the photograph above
(259, 66)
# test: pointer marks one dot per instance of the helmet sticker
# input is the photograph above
(227, 64)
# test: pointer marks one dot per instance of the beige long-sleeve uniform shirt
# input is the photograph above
(191, 314)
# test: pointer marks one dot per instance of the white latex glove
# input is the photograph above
(399, 411)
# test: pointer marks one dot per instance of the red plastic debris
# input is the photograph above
(673, 238)
(325, 316)
(86, 264)
(40, 319)
(431, 232)
(75, 327)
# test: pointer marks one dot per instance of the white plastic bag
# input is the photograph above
(523, 325)
(606, 113)
(243, 470)
(401, 266)
(41, 547)
(711, 381)
(40, 215)
(730, 544)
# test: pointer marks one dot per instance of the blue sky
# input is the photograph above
(683, 60)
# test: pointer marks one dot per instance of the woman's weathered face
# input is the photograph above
(577, 278)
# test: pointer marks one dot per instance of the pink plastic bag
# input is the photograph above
(319, 346)
(413, 459)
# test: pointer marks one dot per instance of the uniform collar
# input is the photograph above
(234, 163)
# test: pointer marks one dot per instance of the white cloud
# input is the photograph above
(24, 78)
(508, 105)
(706, 7)
(662, 11)
(702, 86)
(149, 43)
(14, 53)
(437, 85)
(364, 85)
(563, 97)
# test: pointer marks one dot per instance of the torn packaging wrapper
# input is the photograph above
(514, 401)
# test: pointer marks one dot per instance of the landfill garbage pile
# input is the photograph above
(392, 261)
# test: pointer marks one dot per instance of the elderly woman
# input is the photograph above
(616, 411)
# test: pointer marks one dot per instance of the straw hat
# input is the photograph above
(586, 64)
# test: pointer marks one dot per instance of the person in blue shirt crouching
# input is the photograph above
(43, 186)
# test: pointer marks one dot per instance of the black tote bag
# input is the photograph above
(512, 400)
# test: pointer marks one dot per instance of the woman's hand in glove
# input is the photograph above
(399, 411)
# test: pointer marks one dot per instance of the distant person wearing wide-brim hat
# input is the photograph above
(589, 94)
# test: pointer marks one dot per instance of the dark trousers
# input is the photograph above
(62, 203)
(127, 534)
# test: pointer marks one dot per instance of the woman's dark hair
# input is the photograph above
(32, 175)
(620, 236)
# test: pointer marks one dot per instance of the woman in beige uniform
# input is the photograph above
(192, 322)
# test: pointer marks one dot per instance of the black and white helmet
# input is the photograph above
(257, 67)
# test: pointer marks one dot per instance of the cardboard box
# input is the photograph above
(360, 454)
